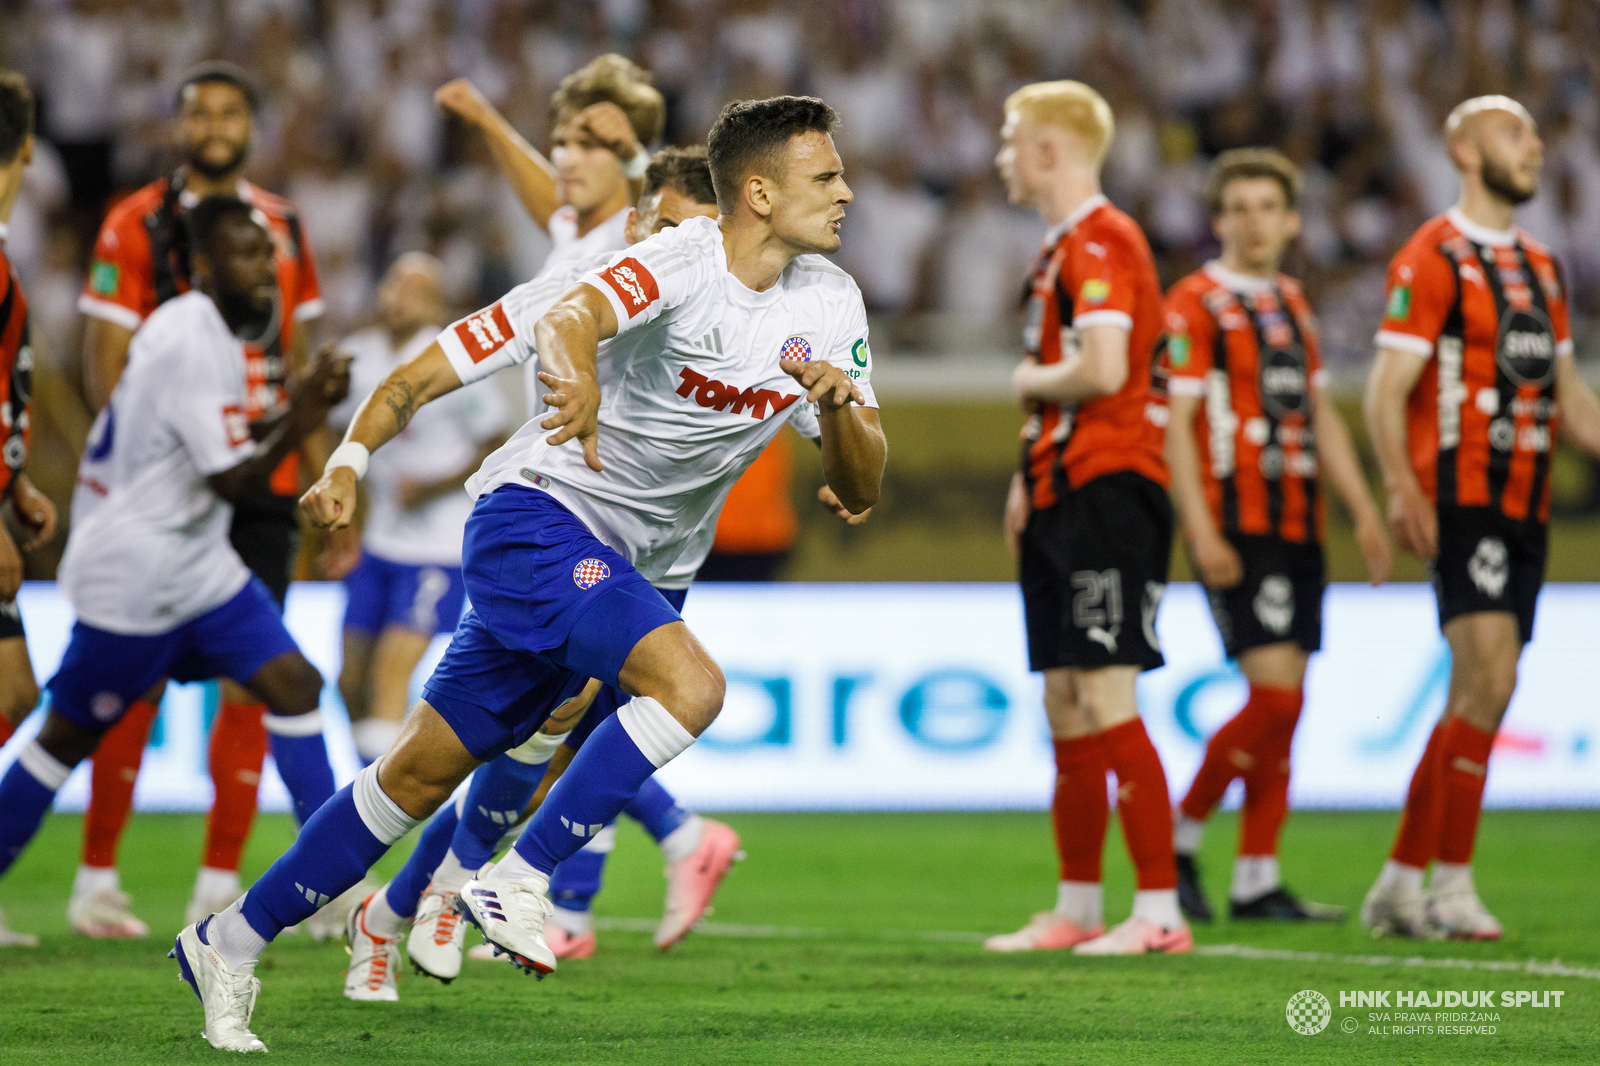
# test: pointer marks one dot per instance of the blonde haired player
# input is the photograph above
(1474, 363)
(1089, 520)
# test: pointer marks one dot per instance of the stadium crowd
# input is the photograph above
(1353, 90)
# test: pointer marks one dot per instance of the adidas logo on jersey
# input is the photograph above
(720, 396)
(484, 333)
(711, 342)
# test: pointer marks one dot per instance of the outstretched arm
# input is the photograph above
(331, 502)
(532, 176)
(854, 448)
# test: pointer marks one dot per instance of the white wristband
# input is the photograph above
(633, 169)
(349, 454)
(539, 748)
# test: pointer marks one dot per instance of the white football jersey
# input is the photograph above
(149, 544)
(566, 250)
(691, 390)
(443, 438)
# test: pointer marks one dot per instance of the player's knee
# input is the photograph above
(301, 688)
(695, 696)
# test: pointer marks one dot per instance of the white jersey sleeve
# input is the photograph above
(660, 273)
(207, 413)
(501, 334)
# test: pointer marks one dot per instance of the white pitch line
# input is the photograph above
(1532, 967)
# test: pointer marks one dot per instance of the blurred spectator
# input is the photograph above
(758, 525)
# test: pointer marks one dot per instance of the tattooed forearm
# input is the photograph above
(401, 401)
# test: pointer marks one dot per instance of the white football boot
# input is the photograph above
(10, 938)
(511, 917)
(374, 960)
(1459, 914)
(227, 996)
(438, 938)
(104, 915)
(1397, 909)
(1138, 936)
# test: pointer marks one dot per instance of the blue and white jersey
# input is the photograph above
(149, 545)
(691, 389)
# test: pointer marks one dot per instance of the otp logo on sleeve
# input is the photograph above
(237, 425)
(633, 283)
(796, 348)
(590, 572)
(485, 333)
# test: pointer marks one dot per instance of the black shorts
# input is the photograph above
(266, 534)
(1280, 598)
(1488, 562)
(10, 620)
(1094, 567)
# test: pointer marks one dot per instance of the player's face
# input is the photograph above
(1511, 155)
(808, 203)
(1018, 160)
(243, 268)
(587, 173)
(408, 299)
(1256, 223)
(663, 209)
(214, 126)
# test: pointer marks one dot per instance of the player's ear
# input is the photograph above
(758, 194)
(632, 230)
(1292, 220)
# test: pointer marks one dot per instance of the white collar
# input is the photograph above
(1494, 238)
(1084, 210)
(188, 199)
(1235, 281)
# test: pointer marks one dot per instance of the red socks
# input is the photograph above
(1230, 752)
(6, 730)
(1414, 845)
(1462, 770)
(113, 773)
(1266, 784)
(1080, 810)
(238, 748)
(1143, 805)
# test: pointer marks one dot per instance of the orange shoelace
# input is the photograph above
(446, 928)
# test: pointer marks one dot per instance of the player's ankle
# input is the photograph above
(1081, 902)
(1158, 905)
(1397, 874)
(1186, 832)
(91, 879)
(1253, 877)
(571, 922)
(684, 841)
(235, 939)
(212, 883)
(513, 867)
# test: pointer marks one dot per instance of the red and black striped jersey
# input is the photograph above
(16, 373)
(1094, 269)
(1247, 347)
(1488, 310)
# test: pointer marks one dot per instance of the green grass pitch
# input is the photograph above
(829, 959)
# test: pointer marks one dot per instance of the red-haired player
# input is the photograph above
(1474, 363)
(1251, 432)
(1089, 519)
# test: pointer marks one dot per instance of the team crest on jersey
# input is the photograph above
(484, 333)
(590, 572)
(237, 425)
(1095, 291)
(633, 283)
(796, 348)
(1490, 566)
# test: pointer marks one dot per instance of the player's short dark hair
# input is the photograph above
(205, 220)
(612, 79)
(750, 135)
(687, 170)
(16, 115)
(1240, 163)
(219, 72)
